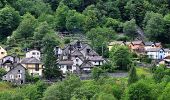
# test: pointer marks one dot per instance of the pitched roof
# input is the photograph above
(67, 62)
(31, 60)
(15, 65)
(87, 64)
(116, 42)
(92, 52)
(148, 43)
(154, 49)
(76, 53)
(95, 58)
(167, 50)
(137, 42)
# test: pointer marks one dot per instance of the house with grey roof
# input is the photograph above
(155, 53)
(7, 62)
(33, 65)
(81, 54)
(15, 75)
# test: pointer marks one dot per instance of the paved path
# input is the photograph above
(116, 75)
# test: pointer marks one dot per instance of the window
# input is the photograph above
(33, 53)
(77, 60)
(19, 75)
(69, 67)
(37, 53)
(2, 52)
(36, 67)
(11, 76)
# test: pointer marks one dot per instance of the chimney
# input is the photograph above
(78, 44)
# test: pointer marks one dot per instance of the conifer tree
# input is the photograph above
(132, 75)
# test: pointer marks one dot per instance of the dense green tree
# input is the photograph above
(165, 93)
(50, 19)
(99, 36)
(92, 17)
(35, 7)
(130, 29)
(62, 90)
(159, 73)
(108, 8)
(155, 28)
(136, 10)
(9, 21)
(114, 24)
(54, 3)
(103, 96)
(132, 75)
(40, 32)
(26, 27)
(60, 17)
(120, 57)
(97, 73)
(75, 21)
(140, 91)
(51, 70)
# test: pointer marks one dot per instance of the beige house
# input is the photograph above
(111, 44)
(33, 65)
(3, 52)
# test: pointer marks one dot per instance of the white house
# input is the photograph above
(156, 53)
(34, 53)
(66, 66)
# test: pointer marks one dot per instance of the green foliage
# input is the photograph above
(60, 17)
(62, 90)
(165, 93)
(96, 73)
(159, 73)
(26, 27)
(132, 75)
(103, 96)
(9, 21)
(140, 91)
(120, 57)
(130, 28)
(136, 9)
(99, 36)
(51, 70)
(155, 28)
(114, 24)
(2, 72)
(35, 7)
(75, 21)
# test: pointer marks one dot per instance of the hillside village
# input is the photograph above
(84, 49)
(76, 57)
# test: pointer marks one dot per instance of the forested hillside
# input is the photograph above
(26, 22)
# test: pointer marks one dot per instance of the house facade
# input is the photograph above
(137, 46)
(3, 52)
(33, 66)
(7, 62)
(77, 56)
(156, 53)
(34, 53)
(15, 75)
(150, 45)
(111, 44)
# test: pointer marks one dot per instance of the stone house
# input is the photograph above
(78, 54)
(15, 75)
